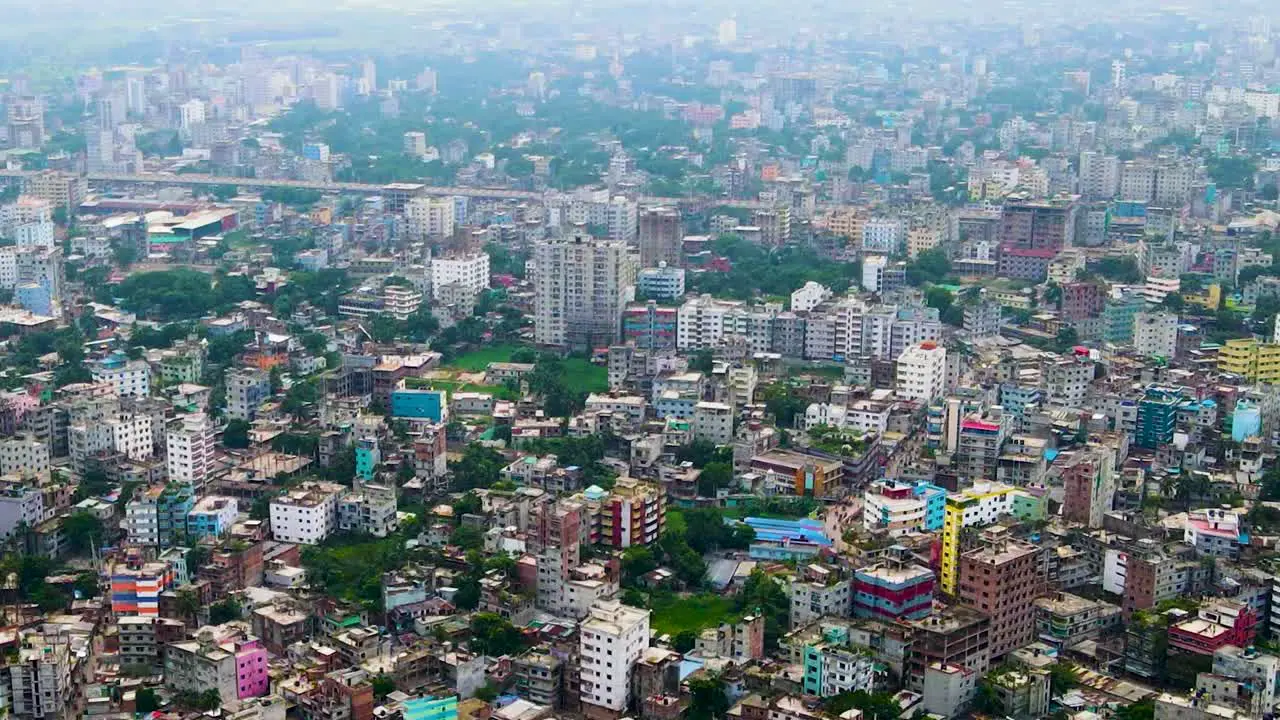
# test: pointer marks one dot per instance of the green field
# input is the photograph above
(478, 360)
(691, 613)
(579, 374)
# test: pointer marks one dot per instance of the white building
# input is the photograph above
(471, 271)
(882, 235)
(622, 217)
(948, 689)
(190, 114)
(1155, 333)
(431, 217)
(23, 456)
(893, 508)
(415, 144)
(189, 449)
(369, 508)
(612, 639)
(713, 422)
(809, 297)
(307, 514)
(660, 283)
(20, 505)
(128, 377)
(704, 323)
(922, 371)
(873, 267)
(580, 291)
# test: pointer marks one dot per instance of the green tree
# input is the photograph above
(467, 538)
(224, 611)
(383, 685)
(83, 530)
(145, 700)
(930, 266)
(236, 434)
(708, 699)
(480, 467)
(684, 641)
(714, 476)
(494, 636)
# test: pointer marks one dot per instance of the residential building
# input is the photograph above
(189, 443)
(1088, 479)
(948, 689)
(921, 374)
(23, 456)
(1063, 620)
(819, 592)
(306, 514)
(128, 377)
(1157, 416)
(21, 507)
(247, 388)
(157, 514)
(633, 514)
(956, 635)
(612, 639)
(468, 270)
(1001, 579)
(1255, 360)
(1021, 695)
(580, 290)
(713, 423)
(369, 508)
(1155, 334)
(136, 587)
(664, 282)
(211, 517)
(1214, 626)
(661, 237)
(224, 658)
(977, 506)
(894, 588)
(432, 217)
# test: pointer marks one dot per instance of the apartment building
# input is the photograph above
(1002, 579)
(612, 639)
(247, 388)
(580, 290)
(23, 456)
(189, 444)
(922, 372)
(306, 514)
(468, 270)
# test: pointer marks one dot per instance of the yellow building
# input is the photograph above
(1209, 299)
(1256, 361)
(979, 505)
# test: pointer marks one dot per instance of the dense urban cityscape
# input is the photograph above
(651, 362)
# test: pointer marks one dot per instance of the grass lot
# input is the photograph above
(690, 613)
(454, 386)
(478, 360)
(579, 374)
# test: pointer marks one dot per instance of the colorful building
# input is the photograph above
(896, 589)
(368, 457)
(979, 505)
(136, 588)
(1257, 361)
(430, 405)
(1225, 622)
(431, 708)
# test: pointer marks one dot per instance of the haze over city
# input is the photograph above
(657, 361)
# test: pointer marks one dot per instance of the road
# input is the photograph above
(198, 180)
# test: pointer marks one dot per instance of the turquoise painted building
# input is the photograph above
(935, 504)
(368, 456)
(431, 708)
(1246, 421)
(430, 405)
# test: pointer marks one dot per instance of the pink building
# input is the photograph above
(251, 668)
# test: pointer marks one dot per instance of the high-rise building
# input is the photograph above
(430, 217)
(979, 505)
(922, 371)
(1256, 361)
(612, 639)
(307, 514)
(189, 444)
(661, 237)
(246, 389)
(895, 588)
(581, 289)
(1157, 415)
(1038, 224)
(1001, 579)
(1088, 479)
(415, 143)
(621, 215)
(1099, 175)
(469, 270)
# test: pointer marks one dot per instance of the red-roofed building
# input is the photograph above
(1225, 622)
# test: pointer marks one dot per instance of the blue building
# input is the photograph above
(368, 456)
(420, 404)
(431, 708)
(36, 298)
(1246, 421)
(935, 504)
